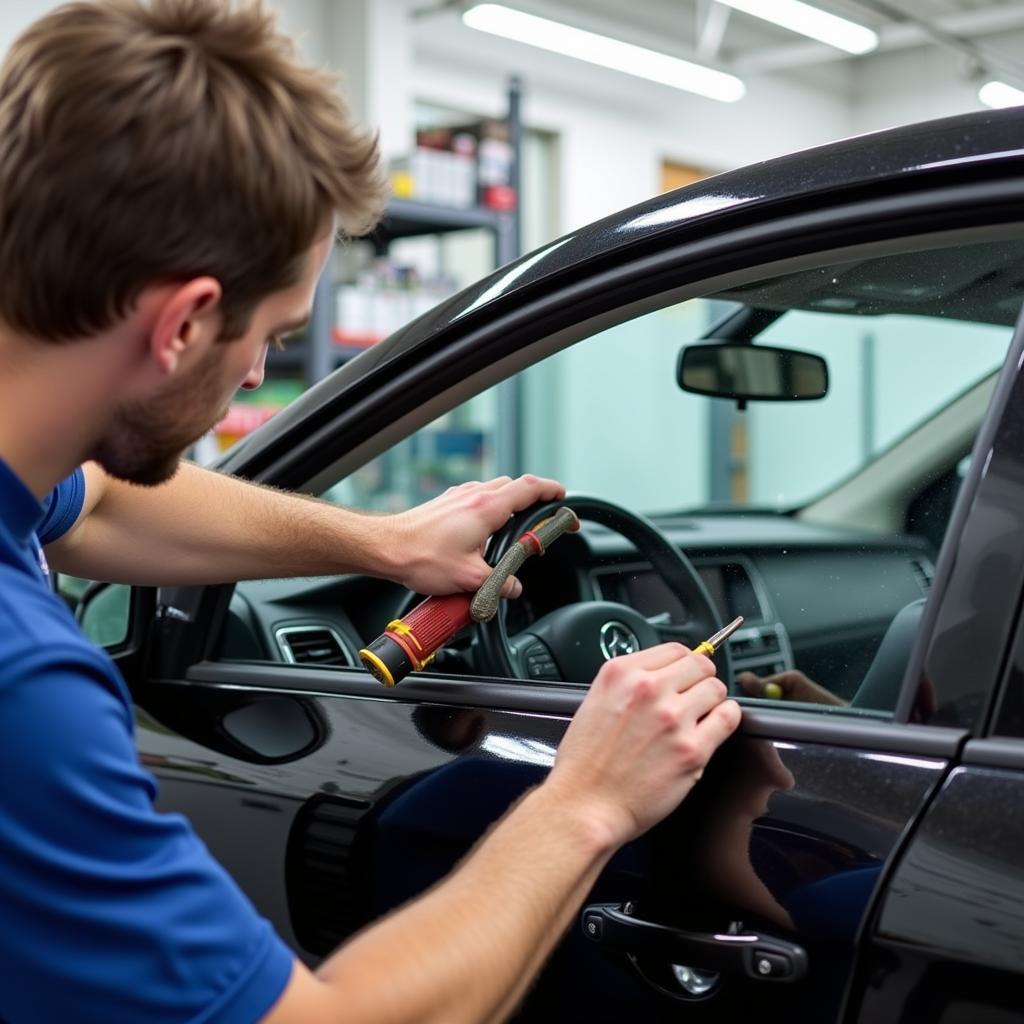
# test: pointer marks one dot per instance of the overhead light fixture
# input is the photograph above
(604, 51)
(810, 21)
(999, 94)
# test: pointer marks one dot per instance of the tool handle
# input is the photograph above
(434, 622)
(534, 542)
(409, 644)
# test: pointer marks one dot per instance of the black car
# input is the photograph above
(857, 854)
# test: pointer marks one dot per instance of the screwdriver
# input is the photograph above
(710, 645)
(771, 690)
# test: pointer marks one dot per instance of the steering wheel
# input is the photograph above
(572, 642)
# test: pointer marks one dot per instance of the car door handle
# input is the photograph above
(751, 954)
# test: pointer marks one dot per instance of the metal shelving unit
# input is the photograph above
(319, 353)
(316, 356)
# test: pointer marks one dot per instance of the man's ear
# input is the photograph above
(187, 320)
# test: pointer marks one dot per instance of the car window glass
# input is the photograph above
(819, 521)
(106, 616)
(461, 445)
(70, 588)
(103, 609)
(888, 373)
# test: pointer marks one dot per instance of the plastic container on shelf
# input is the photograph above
(382, 299)
(436, 176)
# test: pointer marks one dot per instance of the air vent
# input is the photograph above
(313, 645)
(924, 573)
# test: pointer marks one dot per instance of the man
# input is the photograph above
(170, 182)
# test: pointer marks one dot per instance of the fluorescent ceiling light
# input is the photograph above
(810, 21)
(999, 94)
(604, 51)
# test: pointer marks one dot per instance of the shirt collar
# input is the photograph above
(19, 510)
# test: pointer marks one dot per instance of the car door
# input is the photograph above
(946, 940)
(333, 800)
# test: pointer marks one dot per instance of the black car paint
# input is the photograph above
(413, 777)
(949, 942)
(406, 776)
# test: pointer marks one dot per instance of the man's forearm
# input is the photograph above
(205, 527)
(562, 921)
(468, 950)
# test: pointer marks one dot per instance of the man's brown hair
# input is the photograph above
(144, 141)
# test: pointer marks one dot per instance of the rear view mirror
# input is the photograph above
(752, 373)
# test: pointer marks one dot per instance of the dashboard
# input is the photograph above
(814, 598)
(735, 587)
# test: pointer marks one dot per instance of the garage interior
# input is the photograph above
(570, 228)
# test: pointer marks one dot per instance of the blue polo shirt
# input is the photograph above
(110, 913)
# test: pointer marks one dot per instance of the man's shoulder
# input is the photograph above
(62, 507)
(36, 627)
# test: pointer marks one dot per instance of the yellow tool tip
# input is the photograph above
(773, 691)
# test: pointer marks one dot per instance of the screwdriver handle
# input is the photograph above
(409, 644)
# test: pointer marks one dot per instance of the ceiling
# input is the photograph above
(982, 38)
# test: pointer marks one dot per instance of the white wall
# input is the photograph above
(916, 85)
(14, 17)
(613, 130)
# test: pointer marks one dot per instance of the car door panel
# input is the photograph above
(949, 940)
(393, 792)
(790, 838)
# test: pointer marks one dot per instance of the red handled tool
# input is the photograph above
(409, 644)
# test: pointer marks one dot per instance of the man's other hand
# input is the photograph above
(641, 739)
(438, 546)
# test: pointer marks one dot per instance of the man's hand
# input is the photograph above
(438, 546)
(641, 738)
